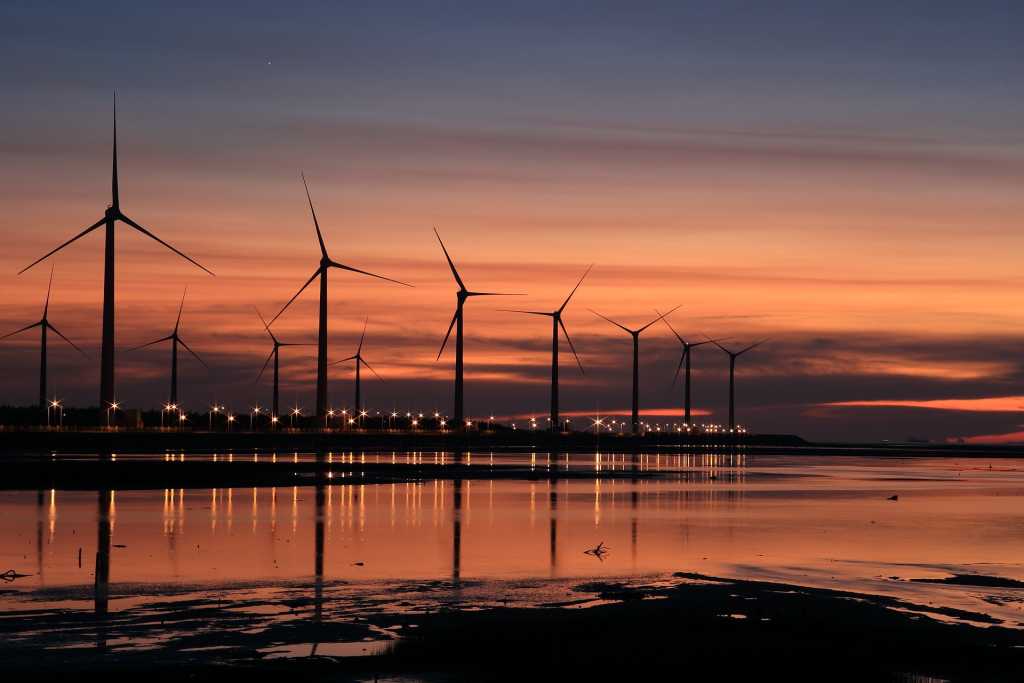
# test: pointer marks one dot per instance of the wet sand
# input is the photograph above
(688, 624)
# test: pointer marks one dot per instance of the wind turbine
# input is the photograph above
(733, 355)
(44, 326)
(636, 361)
(175, 339)
(460, 297)
(326, 263)
(358, 358)
(685, 359)
(556, 322)
(110, 217)
(275, 353)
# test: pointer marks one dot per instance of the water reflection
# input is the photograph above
(104, 528)
(825, 521)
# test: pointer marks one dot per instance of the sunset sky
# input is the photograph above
(844, 178)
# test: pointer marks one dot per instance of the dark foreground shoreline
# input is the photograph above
(700, 627)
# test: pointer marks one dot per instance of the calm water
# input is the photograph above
(821, 521)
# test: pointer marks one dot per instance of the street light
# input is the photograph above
(255, 412)
(231, 419)
(295, 411)
(213, 409)
(114, 405)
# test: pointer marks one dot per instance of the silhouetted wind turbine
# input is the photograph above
(358, 358)
(556, 322)
(733, 355)
(636, 361)
(110, 217)
(326, 263)
(685, 359)
(44, 325)
(175, 339)
(460, 297)
(275, 353)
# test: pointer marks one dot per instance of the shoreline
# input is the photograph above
(610, 629)
(16, 441)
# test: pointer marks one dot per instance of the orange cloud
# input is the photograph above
(995, 404)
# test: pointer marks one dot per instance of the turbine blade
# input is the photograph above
(316, 223)
(73, 345)
(343, 360)
(78, 236)
(573, 348)
(450, 264)
(342, 266)
(114, 198)
(303, 287)
(180, 308)
(661, 316)
(265, 364)
(682, 358)
(376, 374)
(492, 294)
(610, 320)
(361, 338)
(194, 354)
(719, 345)
(665, 320)
(46, 306)
(147, 233)
(513, 310)
(751, 347)
(267, 327)
(447, 334)
(155, 341)
(27, 327)
(566, 302)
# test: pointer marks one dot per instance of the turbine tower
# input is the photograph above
(733, 355)
(110, 217)
(556, 322)
(44, 326)
(460, 298)
(685, 359)
(326, 263)
(275, 353)
(358, 358)
(636, 362)
(175, 339)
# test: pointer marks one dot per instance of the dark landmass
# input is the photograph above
(14, 441)
(706, 628)
(980, 580)
(24, 440)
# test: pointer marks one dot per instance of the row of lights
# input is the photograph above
(56, 407)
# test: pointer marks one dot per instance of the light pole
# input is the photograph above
(295, 411)
(114, 405)
(231, 419)
(327, 417)
(55, 406)
(255, 413)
